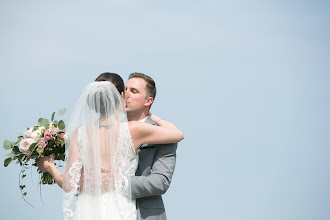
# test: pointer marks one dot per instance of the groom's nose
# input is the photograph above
(127, 93)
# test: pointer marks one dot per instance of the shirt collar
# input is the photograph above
(144, 119)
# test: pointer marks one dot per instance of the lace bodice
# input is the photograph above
(124, 164)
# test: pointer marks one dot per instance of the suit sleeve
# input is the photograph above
(159, 180)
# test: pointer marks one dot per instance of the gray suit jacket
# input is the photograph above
(152, 178)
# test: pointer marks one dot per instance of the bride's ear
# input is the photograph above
(122, 95)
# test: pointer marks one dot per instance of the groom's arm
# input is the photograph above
(159, 180)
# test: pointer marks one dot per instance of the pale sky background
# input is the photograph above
(247, 82)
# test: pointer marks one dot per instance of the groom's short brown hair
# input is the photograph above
(151, 85)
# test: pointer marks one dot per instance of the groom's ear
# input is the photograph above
(122, 95)
(149, 101)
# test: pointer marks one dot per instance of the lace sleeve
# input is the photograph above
(72, 175)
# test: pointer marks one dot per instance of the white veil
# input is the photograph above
(98, 155)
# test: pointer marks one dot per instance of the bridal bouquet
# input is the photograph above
(40, 140)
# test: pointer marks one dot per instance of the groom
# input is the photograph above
(156, 162)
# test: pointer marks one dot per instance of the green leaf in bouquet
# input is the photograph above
(40, 121)
(7, 161)
(55, 123)
(32, 146)
(16, 149)
(60, 157)
(53, 115)
(7, 145)
(11, 154)
(61, 125)
(23, 176)
(51, 143)
(44, 122)
(22, 186)
(62, 111)
(24, 194)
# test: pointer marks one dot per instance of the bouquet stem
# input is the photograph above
(46, 178)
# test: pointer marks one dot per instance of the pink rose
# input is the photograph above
(52, 129)
(55, 130)
(25, 144)
(47, 135)
(60, 134)
(42, 143)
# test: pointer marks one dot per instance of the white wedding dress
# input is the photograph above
(99, 155)
(111, 205)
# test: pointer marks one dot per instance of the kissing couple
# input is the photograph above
(120, 158)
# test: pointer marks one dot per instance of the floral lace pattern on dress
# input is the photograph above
(75, 174)
(126, 161)
(124, 164)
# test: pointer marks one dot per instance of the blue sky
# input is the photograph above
(247, 82)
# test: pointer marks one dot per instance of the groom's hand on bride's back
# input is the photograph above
(105, 178)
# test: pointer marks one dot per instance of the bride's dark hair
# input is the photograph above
(117, 81)
(114, 78)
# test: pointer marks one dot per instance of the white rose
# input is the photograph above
(42, 129)
(29, 132)
(36, 135)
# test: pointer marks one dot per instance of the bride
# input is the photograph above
(101, 152)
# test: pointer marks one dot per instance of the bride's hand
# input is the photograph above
(46, 163)
(161, 122)
(155, 118)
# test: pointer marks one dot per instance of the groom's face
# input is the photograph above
(135, 94)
